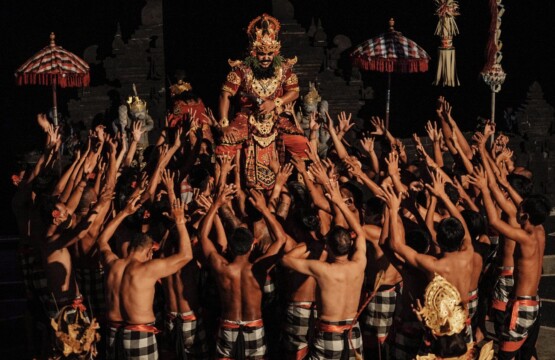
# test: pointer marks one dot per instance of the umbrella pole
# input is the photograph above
(388, 98)
(492, 114)
(55, 102)
(55, 118)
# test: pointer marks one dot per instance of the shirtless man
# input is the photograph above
(63, 232)
(184, 322)
(340, 281)
(130, 284)
(240, 281)
(523, 308)
(457, 261)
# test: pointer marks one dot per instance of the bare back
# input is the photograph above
(240, 290)
(457, 268)
(340, 286)
(529, 259)
(137, 294)
(114, 274)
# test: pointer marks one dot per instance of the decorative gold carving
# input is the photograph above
(265, 141)
(233, 78)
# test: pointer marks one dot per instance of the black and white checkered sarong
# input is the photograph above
(134, 344)
(192, 337)
(241, 336)
(297, 325)
(332, 339)
(523, 312)
(377, 318)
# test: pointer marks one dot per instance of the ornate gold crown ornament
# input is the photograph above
(312, 97)
(135, 103)
(180, 87)
(263, 33)
(443, 311)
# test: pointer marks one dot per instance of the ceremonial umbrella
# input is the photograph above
(54, 66)
(390, 52)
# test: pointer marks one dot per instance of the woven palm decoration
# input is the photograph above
(446, 29)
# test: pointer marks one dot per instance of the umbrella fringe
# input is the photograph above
(63, 80)
(393, 65)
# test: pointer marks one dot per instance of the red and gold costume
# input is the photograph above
(260, 135)
(183, 108)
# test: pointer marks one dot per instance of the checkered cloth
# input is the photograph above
(332, 340)
(523, 313)
(377, 318)
(472, 303)
(503, 288)
(298, 325)
(391, 52)
(91, 286)
(238, 339)
(132, 344)
(408, 339)
(192, 337)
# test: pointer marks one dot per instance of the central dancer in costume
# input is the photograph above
(263, 84)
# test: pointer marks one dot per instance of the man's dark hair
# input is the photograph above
(339, 241)
(452, 193)
(140, 241)
(241, 241)
(537, 207)
(475, 223)
(373, 213)
(449, 346)
(450, 234)
(419, 240)
(522, 185)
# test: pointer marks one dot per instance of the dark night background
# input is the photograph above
(201, 35)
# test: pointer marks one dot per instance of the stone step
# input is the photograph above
(549, 265)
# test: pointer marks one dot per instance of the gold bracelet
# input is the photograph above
(278, 102)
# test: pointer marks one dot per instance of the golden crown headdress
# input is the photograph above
(135, 103)
(263, 34)
(180, 87)
(443, 312)
(312, 97)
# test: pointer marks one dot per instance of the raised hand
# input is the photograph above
(333, 193)
(43, 122)
(314, 124)
(226, 164)
(168, 178)
(283, 174)
(367, 144)
(209, 116)
(432, 130)
(392, 161)
(225, 194)
(274, 164)
(178, 211)
(299, 164)
(391, 199)
(312, 153)
(204, 203)
(353, 166)
(489, 129)
(318, 171)
(137, 131)
(290, 107)
(132, 205)
(480, 139)
(100, 133)
(257, 200)
(379, 125)
(438, 184)
(345, 123)
(479, 178)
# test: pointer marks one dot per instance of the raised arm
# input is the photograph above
(334, 195)
(339, 147)
(438, 190)
(160, 268)
(479, 179)
(209, 250)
